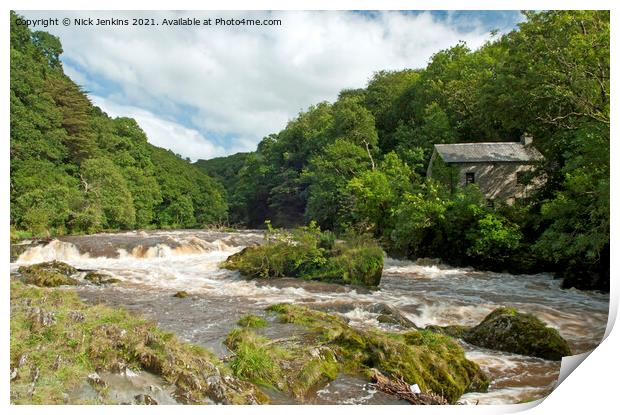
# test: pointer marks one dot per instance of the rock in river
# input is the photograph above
(507, 330)
(48, 274)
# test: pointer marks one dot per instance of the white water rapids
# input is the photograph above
(156, 264)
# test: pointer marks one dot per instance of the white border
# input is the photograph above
(593, 386)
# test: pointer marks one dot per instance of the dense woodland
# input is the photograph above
(76, 170)
(354, 166)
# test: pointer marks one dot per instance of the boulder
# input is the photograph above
(48, 274)
(96, 381)
(41, 318)
(99, 278)
(428, 262)
(144, 399)
(507, 330)
(391, 315)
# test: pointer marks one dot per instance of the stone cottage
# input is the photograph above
(502, 170)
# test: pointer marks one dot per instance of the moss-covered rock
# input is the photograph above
(457, 331)
(59, 341)
(328, 346)
(98, 278)
(391, 315)
(507, 330)
(48, 274)
(307, 253)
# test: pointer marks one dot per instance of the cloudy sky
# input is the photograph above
(211, 91)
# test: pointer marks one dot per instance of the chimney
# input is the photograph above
(527, 139)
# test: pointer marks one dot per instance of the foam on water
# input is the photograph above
(360, 317)
(54, 250)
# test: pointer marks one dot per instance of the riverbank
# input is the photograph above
(62, 351)
(152, 266)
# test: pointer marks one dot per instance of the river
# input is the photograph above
(154, 265)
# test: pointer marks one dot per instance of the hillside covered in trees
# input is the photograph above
(75, 170)
(358, 164)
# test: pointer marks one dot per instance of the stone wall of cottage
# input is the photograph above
(498, 181)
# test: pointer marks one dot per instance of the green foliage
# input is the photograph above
(310, 254)
(328, 175)
(43, 195)
(357, 261)
(253, 359)
(376, 193)
(74, 169)
(107, 192)
(416, 216)
(492, 238)
(290, 366)
(383, 98)
(252, 321)
(578, 235)
(354, 123)
(226, 171)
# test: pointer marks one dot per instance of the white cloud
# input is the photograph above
(162, 133)
(246, 82)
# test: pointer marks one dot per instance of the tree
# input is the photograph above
(75, 110)
(375, 194)
(328, 175)
(106, 190)
(50, 47)
(42, 196)
(577, 238)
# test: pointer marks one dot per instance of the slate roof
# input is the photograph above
(488, 152)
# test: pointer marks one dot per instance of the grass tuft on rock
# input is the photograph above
(252, 321)
(48, 274)
(254, 359)
(311, 254)
(57, 341)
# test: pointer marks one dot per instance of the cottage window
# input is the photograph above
(470, 178)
